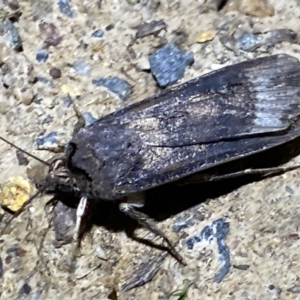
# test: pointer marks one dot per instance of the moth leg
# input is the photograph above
(147, 222)
(264, 172)
(79, 214)
(81, 209)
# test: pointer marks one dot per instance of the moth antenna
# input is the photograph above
(24, 151)
(19, 211)
(80, 119)
(80, 122)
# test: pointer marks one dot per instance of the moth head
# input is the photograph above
(57, 178)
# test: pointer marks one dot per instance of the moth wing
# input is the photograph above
(227, 114)
(259, 97)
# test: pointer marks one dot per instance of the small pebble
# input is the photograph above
(64, 219)
(293, 236)
(12, 35)
(116, 85)
(25, 289)
(271, 287)
(65, 8)
(255, 8)
(24, 95)
(98, 33)
(44, 80)
(15, 192)
(168, 64)
(49, 138)
(217, 232)
(250, 42)
(146, 29)
(241, 267)
(289, 190)
(81, 67)
(55, 73)
(276, 36)
(109, 27)
(67, 101)
(247, 42)
(50, 33)
(22, 158)
(41, 55)
(205, 36)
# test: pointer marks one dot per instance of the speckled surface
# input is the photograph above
(263, 216)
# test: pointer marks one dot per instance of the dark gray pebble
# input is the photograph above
(215, 232)
(152, 27)
(12, 35)
(64, 219)
(289, 190)
(98, 33)
(41, 55)
(55, 73)
(49, 138)
(168, 64)
(25, 289)
(247, 42)
(82, 67)
(116, 85)
(44, 80)
(67, 101)
(109, 27)
(65, 8)
(241, 267)
(50, 34)
(22, 159)
(276, 36)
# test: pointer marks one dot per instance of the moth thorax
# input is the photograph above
(59, 171)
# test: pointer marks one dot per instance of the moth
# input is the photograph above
(225, 115)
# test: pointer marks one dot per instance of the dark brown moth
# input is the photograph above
(222, 116)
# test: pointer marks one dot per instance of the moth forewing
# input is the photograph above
(227, 114)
